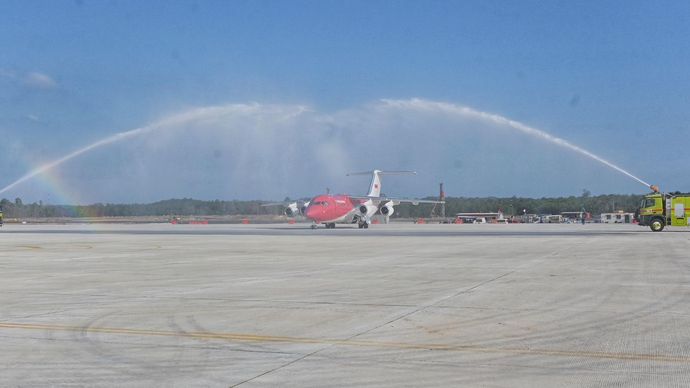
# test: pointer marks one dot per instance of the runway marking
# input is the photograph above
(348, 342)
(29, 246)
(35, 247)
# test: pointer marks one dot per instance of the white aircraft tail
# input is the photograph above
(375, 186)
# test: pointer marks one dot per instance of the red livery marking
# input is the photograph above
(329, 208)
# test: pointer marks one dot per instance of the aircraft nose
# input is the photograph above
(311, 212)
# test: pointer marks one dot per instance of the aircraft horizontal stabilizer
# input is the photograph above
(383, 173)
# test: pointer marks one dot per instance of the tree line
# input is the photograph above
(193, 207)
(520, 205)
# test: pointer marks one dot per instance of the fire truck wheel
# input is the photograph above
(657, 225)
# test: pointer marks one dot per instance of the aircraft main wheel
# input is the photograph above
(657, 225)
(330, 226)
(313, 226)
(366, 225)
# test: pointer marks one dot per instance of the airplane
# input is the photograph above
(329, 209)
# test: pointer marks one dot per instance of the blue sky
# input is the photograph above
(611, 77)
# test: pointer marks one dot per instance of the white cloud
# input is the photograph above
(34, 118)
(39, 80)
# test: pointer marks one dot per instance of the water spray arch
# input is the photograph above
(321, 122)
(189, 117)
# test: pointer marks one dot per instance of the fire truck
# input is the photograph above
(658, 210)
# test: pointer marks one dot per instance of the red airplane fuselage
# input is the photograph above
(326, 209)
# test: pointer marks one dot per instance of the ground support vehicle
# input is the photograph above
(659, 210)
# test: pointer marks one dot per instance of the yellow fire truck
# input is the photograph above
(658, 210)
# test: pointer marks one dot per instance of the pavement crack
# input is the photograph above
(281, 366)
(428, 305)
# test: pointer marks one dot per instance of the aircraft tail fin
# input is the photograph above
(375, 186)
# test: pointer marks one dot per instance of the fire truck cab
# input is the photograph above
(658, 210)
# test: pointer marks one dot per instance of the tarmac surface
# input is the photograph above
(393, 305)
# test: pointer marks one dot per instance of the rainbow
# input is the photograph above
(50, 177)
(63, 193)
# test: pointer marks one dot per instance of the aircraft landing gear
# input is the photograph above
(364, 225)
(330, 226)
(313, 226)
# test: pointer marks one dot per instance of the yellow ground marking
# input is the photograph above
(348, 342)
(34, 247)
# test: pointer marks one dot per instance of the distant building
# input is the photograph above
(617, 218)
(552, 219)
(527, 218)
(480, 218)
(576, 216)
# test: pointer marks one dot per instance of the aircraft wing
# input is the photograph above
(397, 201)
(413, 201)
(287, 203)
(275, 204)
(290, 209)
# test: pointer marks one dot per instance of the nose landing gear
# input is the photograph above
(330, 225)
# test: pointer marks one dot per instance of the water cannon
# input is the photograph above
(654, 188)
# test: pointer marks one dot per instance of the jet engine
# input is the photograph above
(296, 209)
(367, 210)
(292, 210)
(387, 209)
